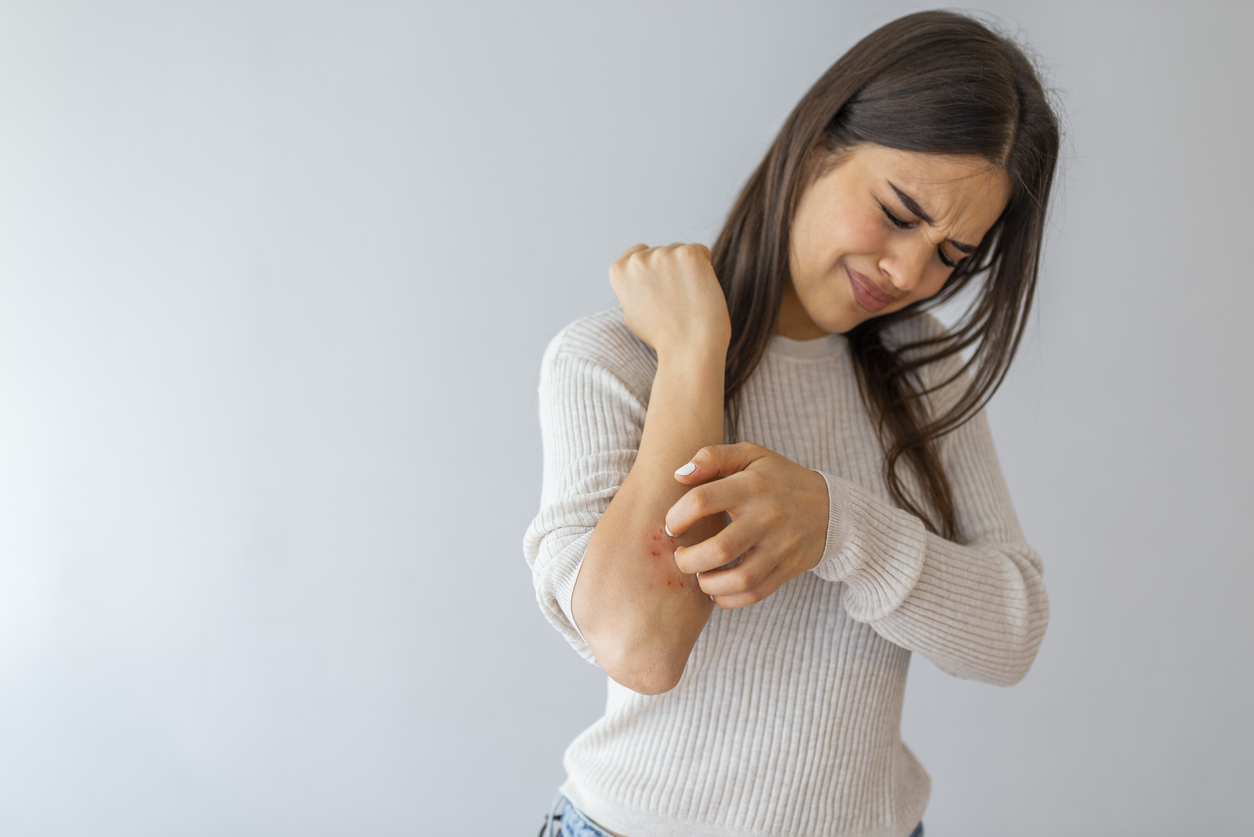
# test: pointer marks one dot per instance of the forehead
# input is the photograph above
(963, 194)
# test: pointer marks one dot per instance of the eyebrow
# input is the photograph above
(912, 206)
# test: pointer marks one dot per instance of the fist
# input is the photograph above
(671, 298)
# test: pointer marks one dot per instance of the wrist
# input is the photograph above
(695, 355)
(695, 377)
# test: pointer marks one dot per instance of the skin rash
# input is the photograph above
(662, 547)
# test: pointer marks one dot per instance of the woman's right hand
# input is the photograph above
(671, 298)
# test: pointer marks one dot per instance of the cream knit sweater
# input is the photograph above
(787, 719)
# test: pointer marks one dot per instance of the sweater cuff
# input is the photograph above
(875, 549)
(555, 573)
(564, 575)
(836, 562)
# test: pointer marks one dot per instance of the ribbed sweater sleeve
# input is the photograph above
(978, 608)
(591, 422)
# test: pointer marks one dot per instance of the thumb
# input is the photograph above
(719, 461)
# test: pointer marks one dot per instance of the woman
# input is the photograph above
(755, 604)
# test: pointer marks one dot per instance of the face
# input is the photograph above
(881, 229)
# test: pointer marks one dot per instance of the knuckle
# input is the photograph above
(755, 596)
(699, 499)
(756, 576)
(747, 578)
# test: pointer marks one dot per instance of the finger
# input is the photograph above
(702, 501)
(734, 540)
(773, 581)
(696, 252)
(719, 461)
(750, 572)
(617, 269)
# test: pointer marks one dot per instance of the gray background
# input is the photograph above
(275, 280)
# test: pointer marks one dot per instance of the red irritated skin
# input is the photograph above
(662, 548)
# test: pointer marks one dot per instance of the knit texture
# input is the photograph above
(787, 720)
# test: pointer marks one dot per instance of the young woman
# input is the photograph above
(768, 477)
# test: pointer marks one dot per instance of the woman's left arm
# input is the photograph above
(978, 608)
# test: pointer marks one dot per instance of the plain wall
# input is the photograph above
(275, 280)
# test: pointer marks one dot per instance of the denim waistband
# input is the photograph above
(565, 820)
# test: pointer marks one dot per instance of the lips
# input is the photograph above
(866, 293)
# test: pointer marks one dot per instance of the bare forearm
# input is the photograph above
(640, 615)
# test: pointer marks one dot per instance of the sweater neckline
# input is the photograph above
(827, 346)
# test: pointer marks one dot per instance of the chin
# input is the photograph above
(844, 321)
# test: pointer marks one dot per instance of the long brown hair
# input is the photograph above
(934, 82)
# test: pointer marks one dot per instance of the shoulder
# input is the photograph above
(945, 377)
(602, 341)
(922, 326)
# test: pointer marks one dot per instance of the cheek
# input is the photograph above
(826, 242)
(863, 235)
(931, 285)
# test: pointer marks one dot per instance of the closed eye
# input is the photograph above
(897, 222)
(905, 225)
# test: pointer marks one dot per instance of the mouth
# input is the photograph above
(869, 296)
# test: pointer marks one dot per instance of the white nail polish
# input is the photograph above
(686, 470)
(669, 533)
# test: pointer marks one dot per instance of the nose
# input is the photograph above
(903, 264)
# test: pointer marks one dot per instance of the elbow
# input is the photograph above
(1029, 639)
(1019, 662)
(647, 682)
(1011, 676)
(1024, 639)
(1007, 671)
(646, 672)
(1004, 662)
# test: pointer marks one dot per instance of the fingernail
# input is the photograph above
(669, 533)
(686, 470)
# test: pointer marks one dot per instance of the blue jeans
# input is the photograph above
(565, 820)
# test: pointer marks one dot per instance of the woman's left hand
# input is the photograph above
(778, 513)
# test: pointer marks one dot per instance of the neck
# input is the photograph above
(792, 321)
